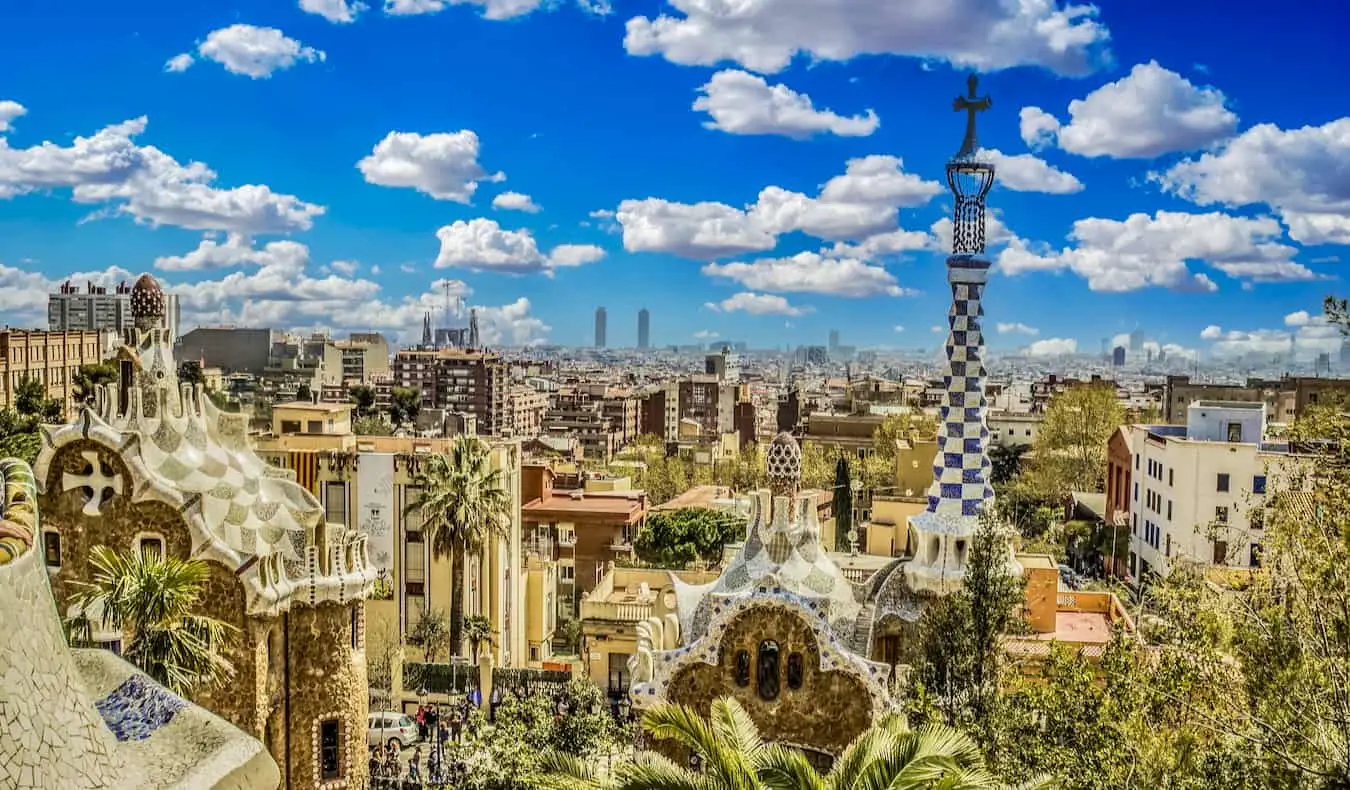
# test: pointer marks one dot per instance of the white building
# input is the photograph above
(1014, 430)
(98, 308)
(1199, 490)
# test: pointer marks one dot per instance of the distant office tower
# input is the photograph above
(1118, 356)
(600, 321)
(834, 339)
(93, 308)
(1106, 346)
(1137, 340)
(644, 329)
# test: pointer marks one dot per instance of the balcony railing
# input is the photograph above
(628, 612)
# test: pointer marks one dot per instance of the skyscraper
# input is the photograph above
(834, 339)
(644, 329)
(1137, 341)
(600, 321)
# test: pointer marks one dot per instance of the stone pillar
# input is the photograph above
(328, 683)
(485, 679)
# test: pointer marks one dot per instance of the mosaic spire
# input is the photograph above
(961, 488)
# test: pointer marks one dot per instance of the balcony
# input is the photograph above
(616, 611)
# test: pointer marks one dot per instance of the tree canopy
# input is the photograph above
(676, 538)
(1069, 450)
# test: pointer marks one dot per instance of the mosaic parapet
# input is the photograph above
(85, 719)
(18, 509)
(241, 512)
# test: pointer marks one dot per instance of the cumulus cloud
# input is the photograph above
(897, 328)
(443, 165)
(515, 201)
(705, 334)
(249, 50)
(765, 37)
(809, 272)
(756, 304)
(1300, 173)
(482, 245)
(109, 169)
(339, 12)
(1315, 335)
(1016, 327)
(492, 9)
(1116, 255)
(861, 202)
(1147, 113)
(1052, 347)
(237, 250)
(743, 103)
(1029, 173)
(1211, 332)
(1297, 318)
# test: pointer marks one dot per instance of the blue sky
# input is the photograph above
(1155, 166)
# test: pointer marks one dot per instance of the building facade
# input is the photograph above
(50, 358)
(94, 309)
(601, 327)
(644, 329)
(457, 380)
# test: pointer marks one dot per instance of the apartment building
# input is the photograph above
(1285, 399)
(95, 309)
(52, 358)
(457, 380)
(232, 349)
(365, 356)
(1197, 491)
(525, 407)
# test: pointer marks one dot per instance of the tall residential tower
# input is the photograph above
(600, 321)
(644, 329)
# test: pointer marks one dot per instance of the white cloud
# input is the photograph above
(1029, 173)
(483, 245)
(809, 272)
(515, 201)
(407, 268)
(236, 250)
(897, 328)
(1211, 332)
(756, 304)
(1037, 126)
(705, 334)
(443, 165)
(1297, 318)
(492, 9)
(1016, 327)
(1306, 340)
(179, 63)
(255, 52)
(883, 245)
(348, 268)
(936, 328)
(1149, 112)
(1299, 172)
(1115, 255)
(109, 169)
(743, 103)
(765, 36)
(862, 202)
(1052, 347)
(338, 12)
(9, 110)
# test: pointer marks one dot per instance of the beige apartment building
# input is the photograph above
(525, 407)
(52, 358)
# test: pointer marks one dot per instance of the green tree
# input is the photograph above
(1005, 461)
(843, 503)
(372, 425)
(734, 756)
(676, 538)
(363, 398)
(405, 403)
(30, 400)
(586, 726)
(1070, 448)
(89, 377)
(152, 600)
(818, 462)
(478, 630)
(665, 478)
(190, 372)
(431, 632)
(463, 501)
(960, 634)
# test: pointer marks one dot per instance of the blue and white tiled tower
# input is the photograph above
(961, 489)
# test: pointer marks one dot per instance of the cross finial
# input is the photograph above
(971, 103)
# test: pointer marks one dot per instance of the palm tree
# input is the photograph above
(464, 502)
(478, 630)
(150, 599)
(734, 756)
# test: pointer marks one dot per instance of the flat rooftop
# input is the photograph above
(304, 405)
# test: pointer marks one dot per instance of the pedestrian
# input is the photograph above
(414, 766)
(422, 721)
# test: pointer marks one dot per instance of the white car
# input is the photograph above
(387, 726)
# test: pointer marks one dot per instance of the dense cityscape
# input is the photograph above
(351, 526)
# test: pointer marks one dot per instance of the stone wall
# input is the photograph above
(117, 524)
(237, 699)
(328, 681)
(798, 716)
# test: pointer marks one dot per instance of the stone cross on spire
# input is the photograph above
(972, 104)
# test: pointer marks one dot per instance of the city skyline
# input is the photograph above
(788, 201)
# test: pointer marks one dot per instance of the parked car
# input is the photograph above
(387, 727)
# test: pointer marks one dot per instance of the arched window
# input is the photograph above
(794, 670)
(767, 672)
(743, 668)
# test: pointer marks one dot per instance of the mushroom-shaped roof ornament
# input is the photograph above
(784, 464)
(148, 303)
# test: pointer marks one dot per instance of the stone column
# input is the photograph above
(485, 679)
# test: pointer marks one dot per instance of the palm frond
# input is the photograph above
(781, 768)
(685, 726)
(560, 771)
(653, 772)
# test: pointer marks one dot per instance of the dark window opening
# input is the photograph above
(766, 673)
(1223, 482)
(330, 735)
(743, 668)
(1234, 431)
(1259, 484)
(356, 627)
(795, 670)
(51, 547)
(152, 546)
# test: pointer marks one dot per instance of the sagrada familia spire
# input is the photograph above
(961, 490)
